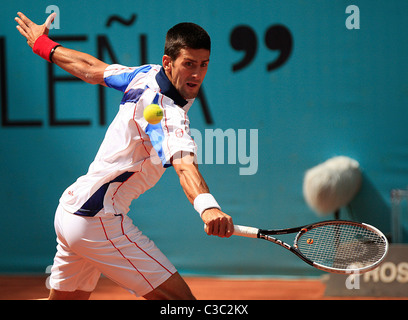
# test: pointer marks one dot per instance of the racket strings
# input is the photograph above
(342, 246)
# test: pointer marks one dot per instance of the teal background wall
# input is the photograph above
(333, 91)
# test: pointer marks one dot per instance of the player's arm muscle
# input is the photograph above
(80, 65)
(191, 179)
(217, 222)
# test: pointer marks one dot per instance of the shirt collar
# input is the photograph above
(168, 89)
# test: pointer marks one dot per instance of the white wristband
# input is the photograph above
(205, 201)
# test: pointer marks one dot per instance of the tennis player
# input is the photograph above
(94, 233)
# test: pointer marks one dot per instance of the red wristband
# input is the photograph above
(43, 47)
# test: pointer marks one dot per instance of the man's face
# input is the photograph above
(187, 72)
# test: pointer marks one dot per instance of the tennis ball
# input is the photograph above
(153, 113)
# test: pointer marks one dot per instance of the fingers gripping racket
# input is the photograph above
(336, 246)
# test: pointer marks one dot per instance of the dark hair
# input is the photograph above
(186, 35)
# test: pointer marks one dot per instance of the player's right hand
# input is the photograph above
(30, 30)
(217, 223)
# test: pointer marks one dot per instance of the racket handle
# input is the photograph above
(243, 231)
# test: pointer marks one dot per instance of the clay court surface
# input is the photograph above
(33, 287)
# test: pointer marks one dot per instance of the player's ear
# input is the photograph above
(167, 63)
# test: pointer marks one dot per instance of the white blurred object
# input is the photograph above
(332, 184)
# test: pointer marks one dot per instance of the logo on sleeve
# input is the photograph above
(179, 133)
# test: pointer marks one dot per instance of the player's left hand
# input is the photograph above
(32, 31)
(217, 223)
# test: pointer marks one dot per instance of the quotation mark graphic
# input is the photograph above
(277, 38)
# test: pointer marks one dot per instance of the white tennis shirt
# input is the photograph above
(134, 154)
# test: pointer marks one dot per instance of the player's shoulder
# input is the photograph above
(118, 69)
(144, 77)
(122, 77)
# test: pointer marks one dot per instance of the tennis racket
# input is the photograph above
(336, 246)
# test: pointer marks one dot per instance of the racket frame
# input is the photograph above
(268, 235)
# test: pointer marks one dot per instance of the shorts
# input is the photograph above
(111, 245)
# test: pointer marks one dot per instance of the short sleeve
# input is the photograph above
(119, 77)
(171, 135)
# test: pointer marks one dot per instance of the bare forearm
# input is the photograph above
(190, 177)
(80, 65)
(216, 222)
(192, 183)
